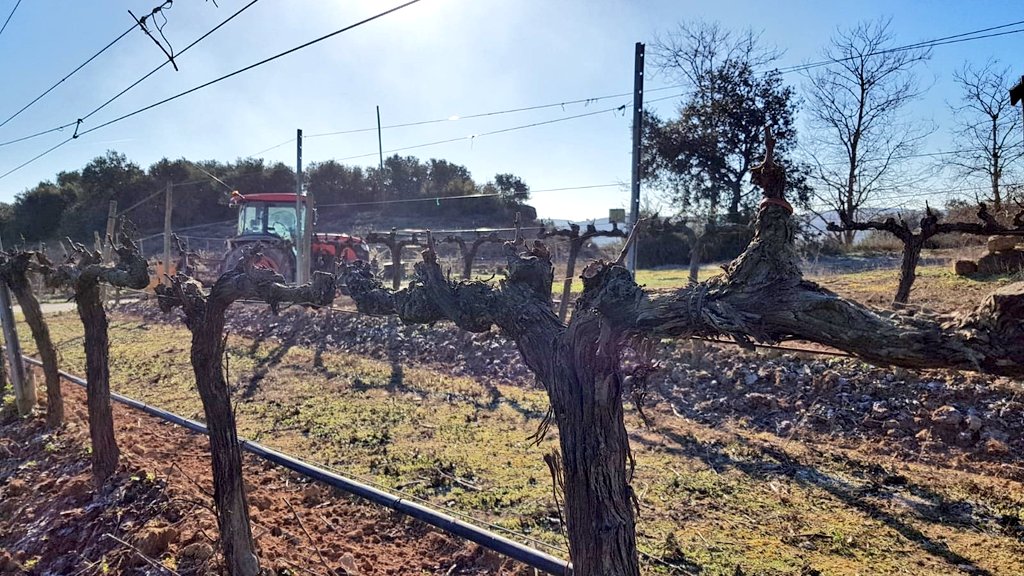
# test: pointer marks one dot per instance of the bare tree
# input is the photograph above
(855, 105)
(702, 158)
(987, 131)
(762, 296)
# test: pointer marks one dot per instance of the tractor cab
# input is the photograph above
(268, 216)
(272, 219)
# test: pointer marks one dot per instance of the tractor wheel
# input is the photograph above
(273, 258)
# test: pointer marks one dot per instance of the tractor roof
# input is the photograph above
(264, 197)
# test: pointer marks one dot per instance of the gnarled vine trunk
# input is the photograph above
(14, 271)
(83, 271)
(205, 317)
(761, 296)
(105, 453)
(908, 269)
(930, 226)
(228, 488)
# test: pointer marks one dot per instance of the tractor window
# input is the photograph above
(281, 221)
(252, 218)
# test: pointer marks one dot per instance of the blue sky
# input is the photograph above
(435, 59)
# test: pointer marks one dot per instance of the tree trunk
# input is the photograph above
(105, 453)
(3, 376)
(908, 268)
(228, 487)
(47, 353)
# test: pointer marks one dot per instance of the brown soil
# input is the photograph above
(157, 509)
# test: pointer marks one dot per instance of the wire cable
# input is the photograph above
(472, 137)
(563, 104)
(206, 84)
(166, 62)
(37, 134)
(247, 68)
(461, 196)
(457, 117)
(69, 75)
(9, 16)
(132, 85)
(956, 38)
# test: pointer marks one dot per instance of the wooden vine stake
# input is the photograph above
(83, 270)
(761, 296)
(205, 316)
(14, 269)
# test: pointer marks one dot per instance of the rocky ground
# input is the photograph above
(961, 417)
(155, 516)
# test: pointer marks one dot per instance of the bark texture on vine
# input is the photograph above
(14, 270)
(929, 226)
(204, 314)
(762, 296)
(83, 270)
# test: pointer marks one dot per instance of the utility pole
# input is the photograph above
(168, 202)
(638, 110)
(300, 250)
(24, 387)
(106, 243)
(380, 141)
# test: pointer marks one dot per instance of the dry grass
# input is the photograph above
(712, 498)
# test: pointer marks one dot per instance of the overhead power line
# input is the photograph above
(206, 84)
(923, 194)
(9, 16)
(69, 75)
(473, 137)
(130, 86)
(166, 62)
(250, 67)
(457, 117)
(954, 39)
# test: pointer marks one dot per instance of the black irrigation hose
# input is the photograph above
(491, 541)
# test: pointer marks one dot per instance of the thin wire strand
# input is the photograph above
(459, 197)
(132, 85)
(9, 16)
(206, 84)
(166, 62)
(957, 38)
(69, 75)
(251, 66)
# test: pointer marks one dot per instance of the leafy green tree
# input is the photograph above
(331, 182)
(36, 213)
(511, 188)
(703, 158)
(104, 178)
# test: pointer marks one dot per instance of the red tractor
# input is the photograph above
(271, 219)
